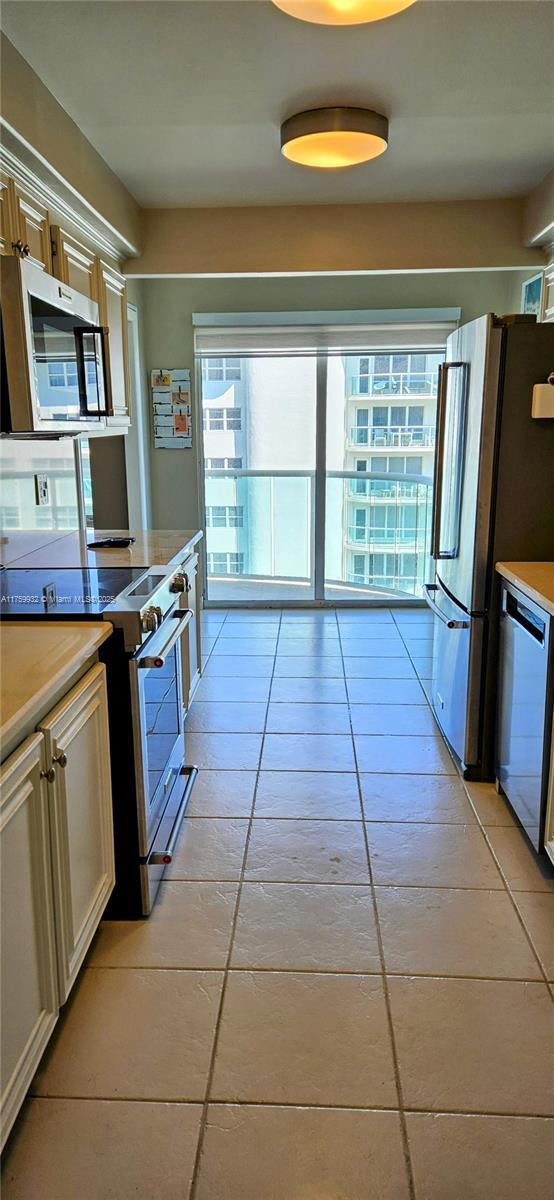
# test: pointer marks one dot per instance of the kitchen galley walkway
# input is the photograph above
(342, 991)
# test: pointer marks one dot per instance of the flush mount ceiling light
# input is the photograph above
(342, 12)
(331, 138)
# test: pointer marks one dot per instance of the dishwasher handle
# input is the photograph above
(523, 616)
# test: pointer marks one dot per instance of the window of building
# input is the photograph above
(216, 516)
(11, 518)
(358, 564)
(225, 516)
(398, 464)
(360, 485)
(398, 414)
(379, 415)
(225, 564)
(217, 370)
(222, 418)
(222, 464)
(64, 374)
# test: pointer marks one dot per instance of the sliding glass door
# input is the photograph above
(259, 433)
(318, 472)
(380, 452)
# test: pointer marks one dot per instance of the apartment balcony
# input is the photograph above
(397, 383)
(380, 491)
(285, 551)
(389, 540)
(392, 437)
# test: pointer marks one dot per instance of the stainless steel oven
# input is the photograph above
(55, 353)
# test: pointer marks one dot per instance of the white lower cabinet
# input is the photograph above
(57, 858)
(29, 971)
(77, 745)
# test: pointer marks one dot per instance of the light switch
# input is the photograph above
(42, 493)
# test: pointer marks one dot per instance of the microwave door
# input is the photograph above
(54, 363)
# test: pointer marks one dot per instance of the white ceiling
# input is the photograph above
(184, 100)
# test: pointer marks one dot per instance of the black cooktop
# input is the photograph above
(70, 592)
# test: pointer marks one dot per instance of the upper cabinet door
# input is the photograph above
(73, 263)
(33, 228)
(112, 299)
(77, 745)
(7, 234)
(29, 983)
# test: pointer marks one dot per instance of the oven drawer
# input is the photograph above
(153, 865)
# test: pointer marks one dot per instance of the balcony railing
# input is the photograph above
(396, 383)
(403, 539)
(277, 545)
(362, 488)
(386, 437)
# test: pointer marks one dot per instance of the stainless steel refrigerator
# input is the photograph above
(493, 501)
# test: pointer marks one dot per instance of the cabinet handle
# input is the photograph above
(50, 774)
(60, 758)
(21, 248)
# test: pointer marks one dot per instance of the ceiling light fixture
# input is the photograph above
(342, 12)
(330, 138)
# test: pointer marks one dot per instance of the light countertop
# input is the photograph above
(151, 548)
(534, 579)
(37, 659)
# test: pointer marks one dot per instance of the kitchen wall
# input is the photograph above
(166, 306)
(449, 235)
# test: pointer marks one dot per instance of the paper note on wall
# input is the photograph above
(172, 405)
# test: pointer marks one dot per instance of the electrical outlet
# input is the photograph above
(42, 494)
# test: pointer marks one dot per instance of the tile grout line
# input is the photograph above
(206, 1104)
(388, 1007)
(483, 831)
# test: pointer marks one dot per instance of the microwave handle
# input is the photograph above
(79, 335)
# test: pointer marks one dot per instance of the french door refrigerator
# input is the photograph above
(493, 501)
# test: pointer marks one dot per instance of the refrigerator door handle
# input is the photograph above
(430, 588)
(436, 551)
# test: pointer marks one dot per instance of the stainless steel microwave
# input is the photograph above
(55, 353)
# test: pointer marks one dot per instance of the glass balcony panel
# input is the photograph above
(390, 540)
(268, 556)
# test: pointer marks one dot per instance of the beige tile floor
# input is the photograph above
(344, 990)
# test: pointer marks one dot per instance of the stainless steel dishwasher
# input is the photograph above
(524, 709)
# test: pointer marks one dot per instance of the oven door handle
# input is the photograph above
(166, 856)
(183, 616)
